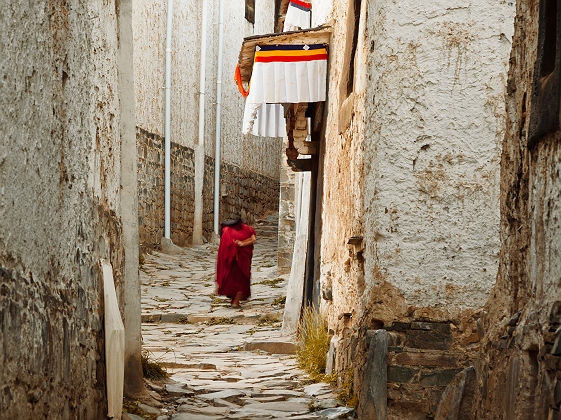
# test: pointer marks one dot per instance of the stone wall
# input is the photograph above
(59, 204)
(150, 150)
(244, 192)
(519, 371)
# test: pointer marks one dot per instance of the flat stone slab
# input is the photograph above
(327, 403)
(274, 347)
(289, 406)
(148, 409)
(192, 416)
(317, 389)
(177, 390)
(227, 395)
(336, 413)
(272, 398)
(209, 410)
(129, 416)
(284, 392)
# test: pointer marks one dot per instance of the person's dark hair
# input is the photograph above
(234, 224)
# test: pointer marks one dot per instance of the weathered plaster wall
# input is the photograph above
(519, 371)
(59, 204)
(435, 110)
(321, 12)
(289, 181)
(253, 156)
(343, 183)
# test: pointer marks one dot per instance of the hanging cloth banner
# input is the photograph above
(298, 15)
(286, 74)
(289, 74)
(269, 118)
(238, 81)
(270, 121)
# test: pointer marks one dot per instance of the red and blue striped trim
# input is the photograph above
(302, 5)
(306, 47)
(290, 59)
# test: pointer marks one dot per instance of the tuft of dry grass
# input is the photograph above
(220, 321)
(152, 369)
(313, 344)
(346, 391)
(280, 301)
(267, 320)
(272, 282)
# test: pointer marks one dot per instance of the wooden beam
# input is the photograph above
(301, 165)
(319, 35)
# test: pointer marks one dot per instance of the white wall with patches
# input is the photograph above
(435, 110)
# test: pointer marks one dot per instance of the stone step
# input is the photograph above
(406, 356)
(234, 318)
(272, 346)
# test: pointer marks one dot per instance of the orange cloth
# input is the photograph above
(238, 80)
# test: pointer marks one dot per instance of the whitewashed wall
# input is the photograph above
(435, 102)
(416, 171)
(149, 19)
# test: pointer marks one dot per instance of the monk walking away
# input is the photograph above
(233, 265)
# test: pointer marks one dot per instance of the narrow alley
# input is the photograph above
(399, 163)
(224, 362)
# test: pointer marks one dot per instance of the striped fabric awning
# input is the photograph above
(298, 15)
(286, 74)
(289, 74)
(289, 53)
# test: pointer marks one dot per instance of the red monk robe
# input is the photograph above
(233, 265)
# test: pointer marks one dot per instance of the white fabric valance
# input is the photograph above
(285, 74)
(298, 15)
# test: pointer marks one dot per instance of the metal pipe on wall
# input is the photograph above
(167, 229)
(200, 146)
(218, 139)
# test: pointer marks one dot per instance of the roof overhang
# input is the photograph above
(319, 35)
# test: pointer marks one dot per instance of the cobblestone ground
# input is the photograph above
(224, 363)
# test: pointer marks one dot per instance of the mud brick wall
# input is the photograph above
(243, 192)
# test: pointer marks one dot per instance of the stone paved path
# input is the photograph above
(215, 354)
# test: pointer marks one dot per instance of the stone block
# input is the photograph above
(331, 356)
(428, 339)
(401, 374)
(438, 377)
(556, 349)
(399, 326)
(423, 358)
(457, 399)
(373, 395)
